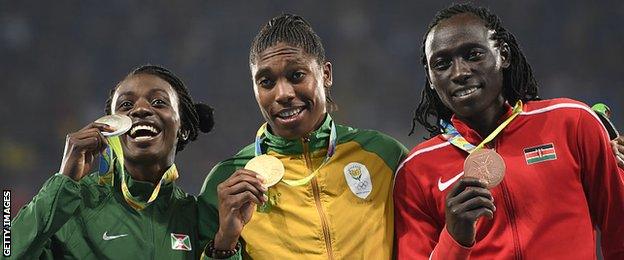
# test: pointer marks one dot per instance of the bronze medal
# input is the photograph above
(485, 164)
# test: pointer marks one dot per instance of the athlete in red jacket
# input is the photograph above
(561, 178)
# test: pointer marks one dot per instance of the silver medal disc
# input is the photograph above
(120, 123)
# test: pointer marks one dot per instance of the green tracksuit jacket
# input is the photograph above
(87, 220)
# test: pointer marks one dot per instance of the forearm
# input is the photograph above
(40, 219)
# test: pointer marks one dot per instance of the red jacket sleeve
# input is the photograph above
(603, 183)
(419, 235)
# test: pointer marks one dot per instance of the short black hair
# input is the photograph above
(518, 80)
(292, 30)
(194, 116)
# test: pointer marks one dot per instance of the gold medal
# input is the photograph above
(485, 164)
(120, 123)
(268, 166)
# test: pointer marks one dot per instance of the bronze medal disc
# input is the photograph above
(269, 167)
(485, 164)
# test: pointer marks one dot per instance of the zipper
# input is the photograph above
(317, 198)
(511, 217)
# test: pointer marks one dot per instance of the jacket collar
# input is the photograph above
(471, 135)
(316, 140)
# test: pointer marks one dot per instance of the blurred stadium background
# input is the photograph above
(59, 59)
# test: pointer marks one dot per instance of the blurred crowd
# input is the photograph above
(59, 60)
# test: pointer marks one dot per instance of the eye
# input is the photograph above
(125, 105)
(265, 83)
(158, 102)
(298, 75)
(475, 55)
(441, 64)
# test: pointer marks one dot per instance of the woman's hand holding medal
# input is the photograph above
(467, 201)
(82, 147)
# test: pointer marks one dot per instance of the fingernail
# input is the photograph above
(265, 198)
(260, 177)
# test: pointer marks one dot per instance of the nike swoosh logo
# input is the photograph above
(107, 237)
(443, 185)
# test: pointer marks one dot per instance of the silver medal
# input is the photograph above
(120, 123)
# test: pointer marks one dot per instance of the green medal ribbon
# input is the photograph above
(115, 154)
(455, 138)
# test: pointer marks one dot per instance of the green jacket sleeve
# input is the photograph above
(39, 220)
(208, 203)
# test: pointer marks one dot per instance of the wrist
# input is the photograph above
(225, 242)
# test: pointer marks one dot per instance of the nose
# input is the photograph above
(141, 109)
(460, 71)
(285, 92)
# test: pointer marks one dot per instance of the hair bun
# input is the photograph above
(206, 117)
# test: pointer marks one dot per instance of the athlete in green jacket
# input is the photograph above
(77, 215)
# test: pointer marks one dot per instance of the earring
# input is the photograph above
(183, 134)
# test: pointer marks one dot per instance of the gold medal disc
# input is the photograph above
(269, 167)
(120, 123)
(487, 165)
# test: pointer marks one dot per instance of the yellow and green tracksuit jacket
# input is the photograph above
(345, 212)
(87, 220)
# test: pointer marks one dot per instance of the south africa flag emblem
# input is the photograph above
(541, 153)
(180, 242)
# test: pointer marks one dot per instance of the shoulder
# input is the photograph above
(429, 151)
(226, 168)
(385, 146)
(561, 106)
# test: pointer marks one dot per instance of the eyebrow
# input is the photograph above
(446, 51)
(152, 91)
(267, 69)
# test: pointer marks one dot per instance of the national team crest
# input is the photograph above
(541, 153)
(180, 242)
(359, 180)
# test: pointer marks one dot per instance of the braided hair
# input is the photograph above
(292, 30)
(518, 80)
(194, 116)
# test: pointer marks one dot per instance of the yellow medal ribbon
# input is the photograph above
(169, 176)
(459, 141)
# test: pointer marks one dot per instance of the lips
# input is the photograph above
(465, 91)
(290, 116)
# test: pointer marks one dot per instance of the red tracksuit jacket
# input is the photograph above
(561, 180)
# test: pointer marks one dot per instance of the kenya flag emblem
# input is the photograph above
(180, 242)
(541, 153)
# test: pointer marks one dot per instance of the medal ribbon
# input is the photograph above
(107, 165)
(331, 149)
(455, 138)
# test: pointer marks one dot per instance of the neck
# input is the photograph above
(147, 172)
(486, 121)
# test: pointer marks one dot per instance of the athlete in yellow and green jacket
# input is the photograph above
(324, 219)
(345, 211)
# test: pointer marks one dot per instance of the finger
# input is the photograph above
(469, 193)
(245, 175)
(475, 214)
(238, 200)
(99, 126)
(618, 145)
(472, 204)
(102, 142)
(242, 187)
(465, 182)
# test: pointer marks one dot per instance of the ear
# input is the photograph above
(327, 74)
(505, 54)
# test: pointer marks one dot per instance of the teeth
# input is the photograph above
(465, 92)
(289, 113)
(143, 127)
(139, 138)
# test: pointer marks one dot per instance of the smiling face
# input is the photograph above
(465, 67)
(290, 89)
(152, 104)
